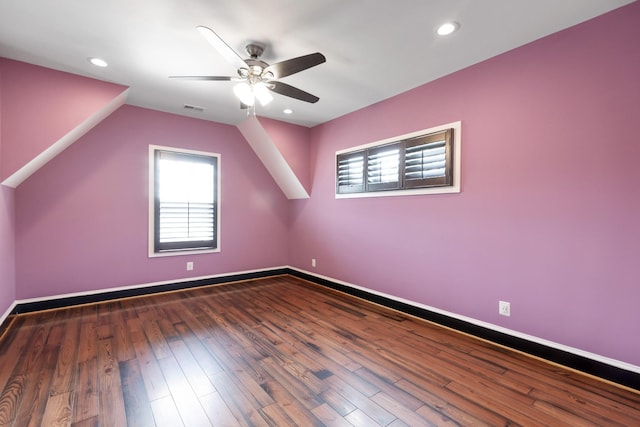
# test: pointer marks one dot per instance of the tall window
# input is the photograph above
(185, 200)
(419, 161)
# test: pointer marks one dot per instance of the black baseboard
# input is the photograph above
(134, 292)
(580, 363)
(589, 366)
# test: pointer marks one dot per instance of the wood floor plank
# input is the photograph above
(337, 402)
(289, 403)
(279, 351)
(189, 408)
(292, 382)
(154, 381)
(12, 346)
(58, 412)
(89, 422)
(248, 376)
(360, 418)
(328, 416)
(10, 399)
(87, 404)
(156, 338)
(243, 409)
(218, 411)
(439, 402)
(165, 412)
(518, 411)
(136, 402)
(400, 411)
(112, 408)
(124, 350)
(364, 404)
(191, 369)
(207, 361)
(23, 376)
(36, 396)
(388, 386)
(66, 367)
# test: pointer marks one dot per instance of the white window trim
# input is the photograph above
(457, 152)
(153, 254)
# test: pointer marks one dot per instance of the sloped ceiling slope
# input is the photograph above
(44, 111)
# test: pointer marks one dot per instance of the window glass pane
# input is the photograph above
(383, 165)
(350, 170)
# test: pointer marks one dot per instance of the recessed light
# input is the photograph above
(447, 28)
(287, 111)
(98, 62)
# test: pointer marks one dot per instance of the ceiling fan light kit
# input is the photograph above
(244, 93)
(261, 91)
(248, 93)
(257, 78)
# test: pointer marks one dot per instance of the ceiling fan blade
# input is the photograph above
(229, 54)
(214, 78)
(295, 65)
(292, 92)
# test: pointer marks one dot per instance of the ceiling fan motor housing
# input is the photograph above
(255, 50)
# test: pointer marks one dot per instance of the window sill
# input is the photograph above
(413, 192)
(182, 252)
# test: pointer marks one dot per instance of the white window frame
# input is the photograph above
(457, 154)
(151, 244)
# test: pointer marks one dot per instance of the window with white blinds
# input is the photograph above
(421, 161)
(350, 176)
(383, 167)
(428, 160)
(185, 200)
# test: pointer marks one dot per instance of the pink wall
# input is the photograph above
(7, 249)
(82, 220)
(548, 217)
(7, 234)
(293, 143)
(41, 106)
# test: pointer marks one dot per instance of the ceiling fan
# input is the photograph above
(257, 78)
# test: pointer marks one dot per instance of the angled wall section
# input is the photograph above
(44, 111)
(273, 159)
(293, 143)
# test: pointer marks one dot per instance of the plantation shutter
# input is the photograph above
(427, 160)
(405, 164)
(350, 172)
(383, 167)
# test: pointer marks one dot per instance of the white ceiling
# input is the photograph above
(374, 49)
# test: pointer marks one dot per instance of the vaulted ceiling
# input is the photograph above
(374, 50)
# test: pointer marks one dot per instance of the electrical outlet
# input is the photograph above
(504, 308)
(189, 265)
(313, 262)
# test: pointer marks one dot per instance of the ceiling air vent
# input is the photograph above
(193, 108)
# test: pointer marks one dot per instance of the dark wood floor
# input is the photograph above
(278, 351)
